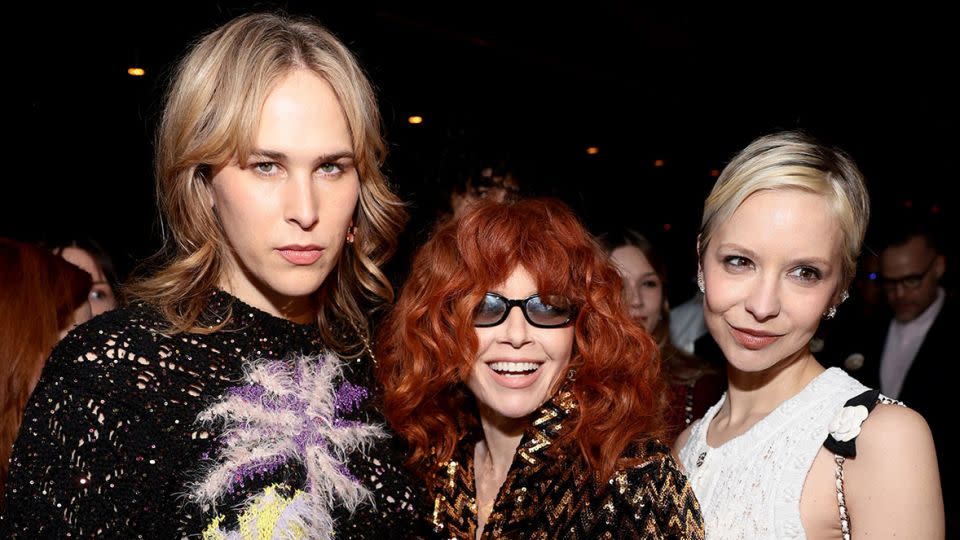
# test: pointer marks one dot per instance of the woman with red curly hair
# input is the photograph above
(532, 422)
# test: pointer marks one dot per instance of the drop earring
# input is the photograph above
(832, 312)
(351, 234)
(700, 283)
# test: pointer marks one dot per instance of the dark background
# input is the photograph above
(688, 85)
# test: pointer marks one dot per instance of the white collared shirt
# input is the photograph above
(903, 343)
(687, 323)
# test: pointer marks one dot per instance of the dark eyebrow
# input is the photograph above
(280, 156)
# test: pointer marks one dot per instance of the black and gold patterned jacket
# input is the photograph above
(553, 495)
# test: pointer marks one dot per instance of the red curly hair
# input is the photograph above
(427, 344)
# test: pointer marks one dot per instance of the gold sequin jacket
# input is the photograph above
(551, 495)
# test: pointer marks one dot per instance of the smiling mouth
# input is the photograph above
(514, 369)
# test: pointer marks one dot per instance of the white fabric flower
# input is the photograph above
(846, 424)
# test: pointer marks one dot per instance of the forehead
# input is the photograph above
(631, 260)
(786, 223)
(302, 111)
(518, 283)
(84, 260)
(911, 257)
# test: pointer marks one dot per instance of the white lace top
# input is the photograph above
(750, 486)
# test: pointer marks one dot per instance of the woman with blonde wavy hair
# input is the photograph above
(233, 396)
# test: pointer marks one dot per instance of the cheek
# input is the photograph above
(239, 210)
(653, 299)
(229, 193)
(558, 344)
(342, 200)
(807, 313)
(718, 299)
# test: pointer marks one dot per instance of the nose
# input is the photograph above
(631, 295)
(516, 329)
(899, 290)
(300, 201)
(763, 301)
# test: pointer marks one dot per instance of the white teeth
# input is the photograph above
(514, 367)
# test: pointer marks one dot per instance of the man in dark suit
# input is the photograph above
(913, 353)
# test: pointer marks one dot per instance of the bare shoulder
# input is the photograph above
(891, 432)
(893, 483)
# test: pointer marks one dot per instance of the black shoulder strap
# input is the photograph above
(868, 399)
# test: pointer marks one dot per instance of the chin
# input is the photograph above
(515, 407)
(760, 361)
(750, 366)
(297, 286)
(517, 412)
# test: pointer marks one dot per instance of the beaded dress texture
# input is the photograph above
(251, 431)
(549, 494)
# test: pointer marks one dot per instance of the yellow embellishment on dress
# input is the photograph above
(263, 519)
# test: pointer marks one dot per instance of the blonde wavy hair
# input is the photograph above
(210, 117)
(794, 160)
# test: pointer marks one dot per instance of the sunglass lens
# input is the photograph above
(550, 311)
(489, 311)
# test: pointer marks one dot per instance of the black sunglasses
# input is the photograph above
(495, 308)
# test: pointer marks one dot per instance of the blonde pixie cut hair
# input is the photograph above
(794, 160)
(210, 118)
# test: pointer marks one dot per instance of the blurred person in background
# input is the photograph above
(41, 298)
(87, 254)
(694, 384)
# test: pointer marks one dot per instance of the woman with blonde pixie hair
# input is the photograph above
(233, 396)
(793, 450)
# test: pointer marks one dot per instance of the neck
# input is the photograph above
(753, 395)
(501, 437)
(298, 309)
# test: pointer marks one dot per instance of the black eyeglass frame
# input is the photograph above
(910, 281)
(522, 304)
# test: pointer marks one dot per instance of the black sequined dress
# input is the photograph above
(112, 443)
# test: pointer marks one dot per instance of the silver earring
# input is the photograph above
(832, 312)
(700, 283)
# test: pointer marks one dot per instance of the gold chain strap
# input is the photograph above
(841, 499)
